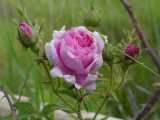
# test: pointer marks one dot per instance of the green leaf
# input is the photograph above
(68, 111)
(41, 27)
(14, 22)
(118, 62)
(71, 87)
(80, 100)
(20, 12)
(39, 61)
(26, 109)
(69, 93)
(102, 85)
(115, 96)
(33, 23)
(105, 118)
(47, 109)
(33, 118)
(86, 108)
(124, 32)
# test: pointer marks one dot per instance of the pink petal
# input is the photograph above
(91, 87)
(97, 63)
(66, 75)
(48, 52)
(55, 57)
(70, 61)
(87, 60)
(101, 43)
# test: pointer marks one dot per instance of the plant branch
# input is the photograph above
(121, 82)
(10, 103)
(141, 35)
(108, 93)
(54, 90)
(148, 106)
(79, 105)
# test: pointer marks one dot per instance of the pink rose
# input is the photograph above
(24, 27)
(76, 55)
(131, 50)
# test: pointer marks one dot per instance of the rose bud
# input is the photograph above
(92, 17)
(29, 38)
(132, 50)
(25, 28)
(76, 55)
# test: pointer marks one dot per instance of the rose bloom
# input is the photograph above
(24, 27)
(132, 51)
(76, 55)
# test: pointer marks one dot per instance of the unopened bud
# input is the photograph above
(25, 29)
(92, 17)
(132, 50)
(29, 38)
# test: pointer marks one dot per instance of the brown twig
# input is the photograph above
(10, 103)
(141, 35)
(148, 106)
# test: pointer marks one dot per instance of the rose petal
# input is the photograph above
(48, 52)
(54, 55)
(97, 63)
(78, 86)
(70, 61)
(101, 43)
(67, 75)
(69, 78)
(91, 78)
(91, 87)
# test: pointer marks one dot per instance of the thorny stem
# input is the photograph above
(79, 105)
(119, 71)
(111, 82)
(54, 90)
(108, 94)
(104, 102)
(121, 82)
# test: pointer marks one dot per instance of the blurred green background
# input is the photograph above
(15, 64)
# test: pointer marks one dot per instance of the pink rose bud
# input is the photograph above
(25, 28)
(76, 55)
(131, 50)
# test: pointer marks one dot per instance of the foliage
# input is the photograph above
(113, 22)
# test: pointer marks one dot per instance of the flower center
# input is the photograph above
(85, 41)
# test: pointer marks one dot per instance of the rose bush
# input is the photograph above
(131, 50)
(76, 55)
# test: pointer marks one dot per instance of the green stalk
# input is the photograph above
(52, 99)
(42, 91)
(79, 106)
(122, 81)
(25, 83)
(111, 82)
(54, 90)
(119, 71)
(108, 94)
(37, 92)
(104, 102)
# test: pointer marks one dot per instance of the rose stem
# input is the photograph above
(122, 81)
(79, 105)
(108, 94)
(54, 90)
